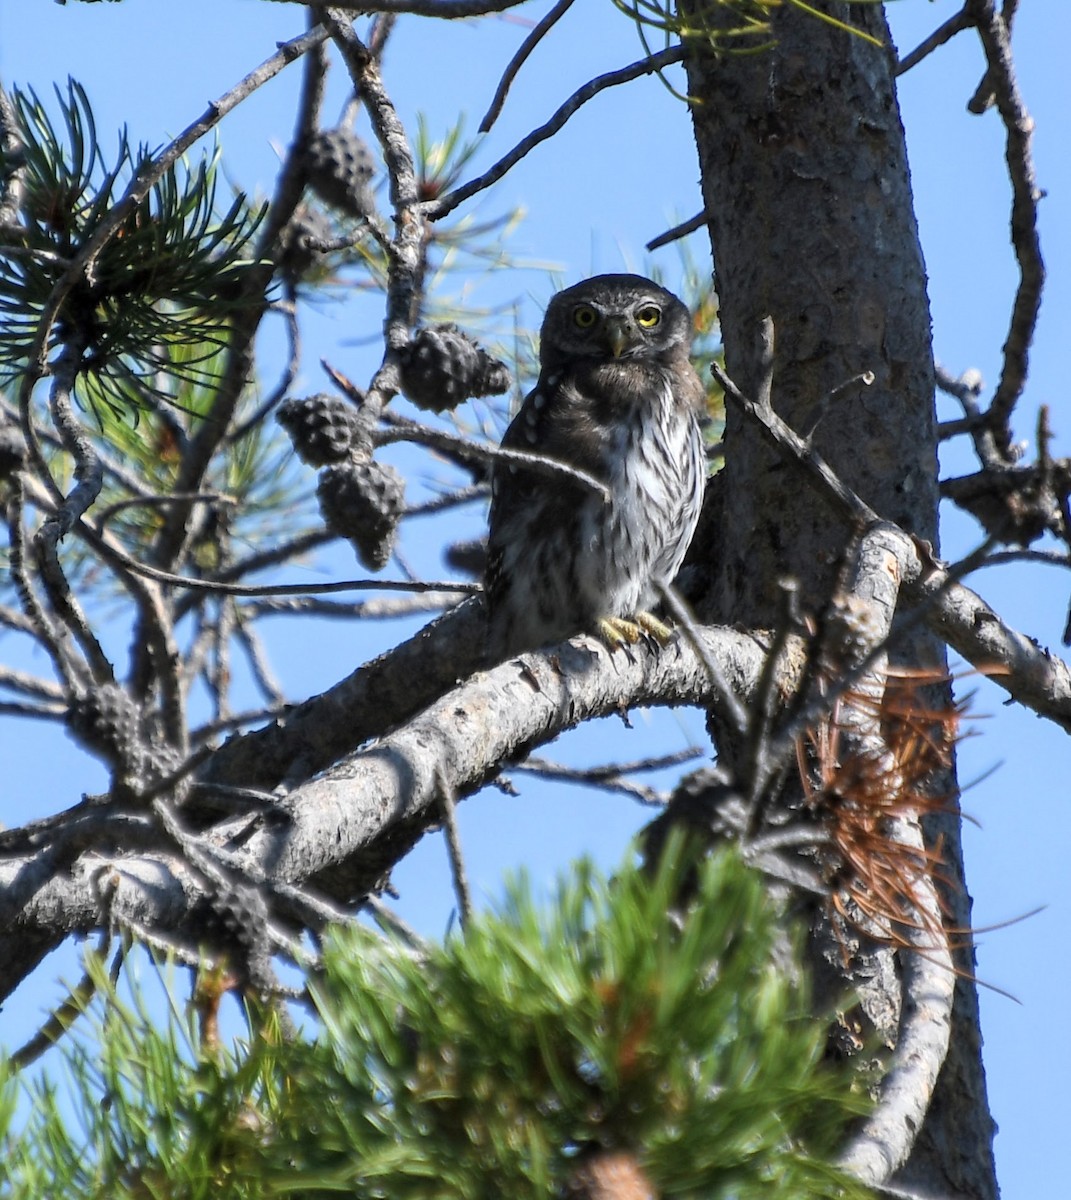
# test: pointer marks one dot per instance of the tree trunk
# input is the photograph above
(810, 213)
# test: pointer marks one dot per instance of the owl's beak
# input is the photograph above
(616, 335)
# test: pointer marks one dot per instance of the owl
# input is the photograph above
(617, 399)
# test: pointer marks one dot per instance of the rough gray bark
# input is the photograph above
(811, 221)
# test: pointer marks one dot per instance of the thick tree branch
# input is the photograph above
(319, 831)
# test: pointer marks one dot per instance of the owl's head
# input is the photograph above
(613, 316)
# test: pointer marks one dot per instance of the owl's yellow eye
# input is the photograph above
(649, 316)
(584, 316)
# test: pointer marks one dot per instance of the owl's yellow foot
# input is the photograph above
(616, 632)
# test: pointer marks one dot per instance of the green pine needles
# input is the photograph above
(493, 1065)
(162, 281)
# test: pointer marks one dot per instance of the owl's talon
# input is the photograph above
(617, 632)
(625, 632)
(656, 629)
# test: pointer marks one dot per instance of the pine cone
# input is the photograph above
(442, 366)
(298, 253)
(325, 430)
(363, 502)
(241, 913)
(339, 167)
(105, 721)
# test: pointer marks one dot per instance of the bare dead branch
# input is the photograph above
(40, 712)
(943, 33)
(610, 777)
(448, 500)
(730, 706)
(260, 560)
(822, 475)
(361, 610)
(985, 94)
(302, 589)
(89, 479)
(11, 144)
(679, 231)
(259, 665)
(286, 380)
(1019, 127)
(102, 516)
(966, 388)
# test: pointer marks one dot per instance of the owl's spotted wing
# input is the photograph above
(534, 515)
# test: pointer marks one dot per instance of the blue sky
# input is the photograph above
(622, 171)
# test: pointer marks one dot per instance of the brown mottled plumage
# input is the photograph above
(617, 398)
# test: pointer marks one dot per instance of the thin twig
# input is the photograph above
(470, 453)
(466, 495)
(239, 720)
(260, 560)
(13, 619)
(286, 380)
(758, 769)
(1019, 127)
(259, 663)
(64, 1016)
(448, 810)
(645, 66)
(303, 589)
(610, 777)
(541, 29)
(679, 231)
(38, 712)
(940, 35)
(827, 481)
(390, 922)
(178, 532)
(728, 703)
(31, 685)
(104, 515)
